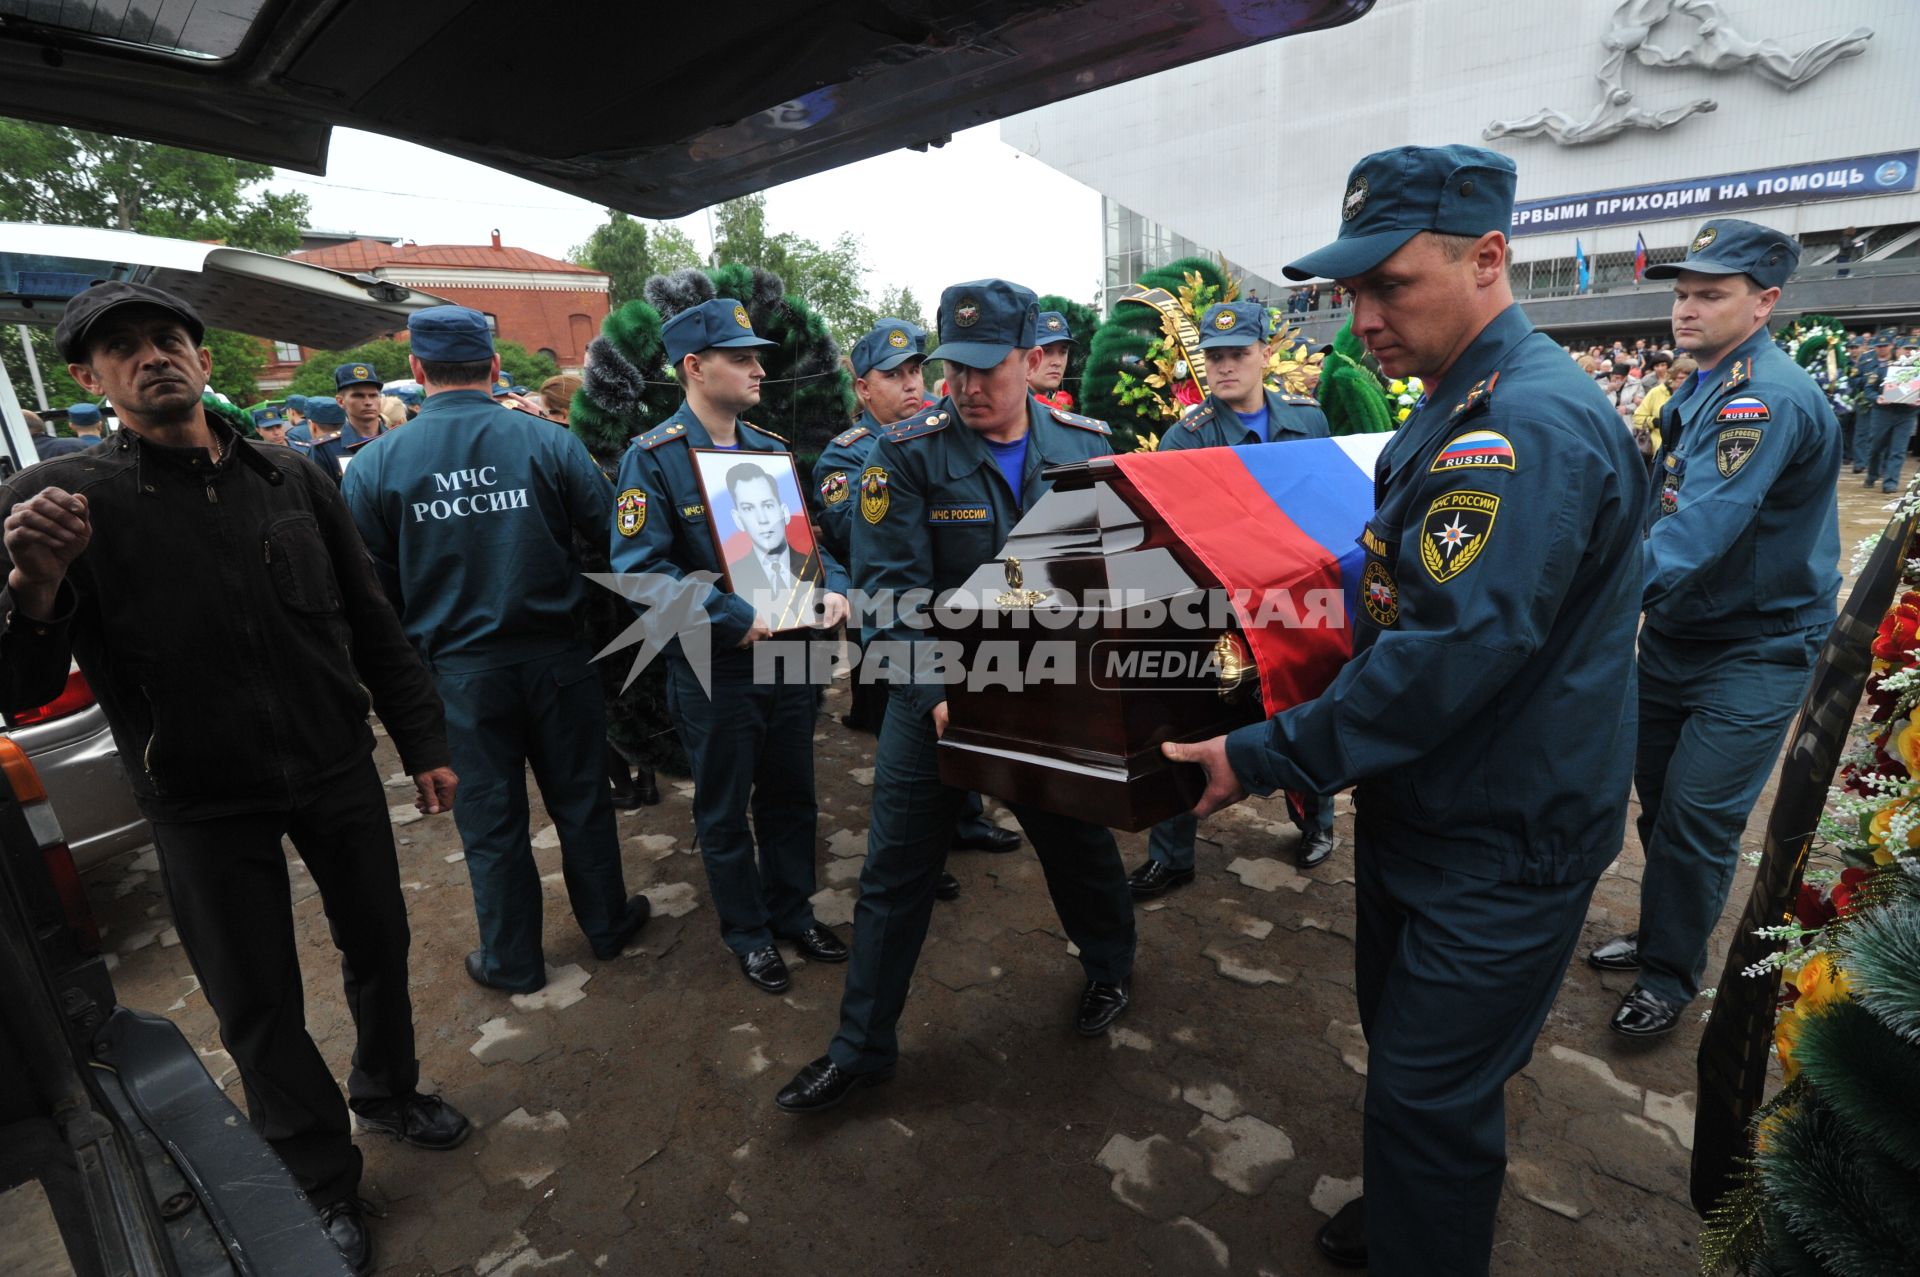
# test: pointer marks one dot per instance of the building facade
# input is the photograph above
(1629, 120)
(549, 306)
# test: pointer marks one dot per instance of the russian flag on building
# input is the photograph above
(1639, 256)
(1278, 526)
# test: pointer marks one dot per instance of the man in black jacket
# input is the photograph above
(221, 606)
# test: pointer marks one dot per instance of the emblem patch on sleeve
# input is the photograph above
(834, 488)
(1455, 531)
(1732, 447)
(1475, 448)
(1379, 595)
(630, 512)
(874, 498)
(1670, 494)
(1745, 409)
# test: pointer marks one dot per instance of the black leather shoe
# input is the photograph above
(1343, 1239)
(639, 909)
(645, 788)
(820, 945)
(1100, 1005)
(1645, 1015)
(946, 887)
(1155, 879)
(476, 971)
(766, 969)
(347, 1225)
(1314, 848)
(993, 839)
(424, 1121)
(1622, 953)
(823, 1084)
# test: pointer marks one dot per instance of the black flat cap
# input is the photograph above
(86, 309)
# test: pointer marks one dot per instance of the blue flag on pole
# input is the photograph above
(1585, 277)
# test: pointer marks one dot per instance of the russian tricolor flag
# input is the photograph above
(1274, 517)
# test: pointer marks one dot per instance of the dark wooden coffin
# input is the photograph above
(1134, 646)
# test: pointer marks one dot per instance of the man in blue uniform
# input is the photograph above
(84, 418)
(749, 739)
(938, 495)
(468, 517)
(1743, 543)
(887, 364)
(1888, 427)
(325, 420)
(1487, 714)
(270, 424)
(1054, 340)
(1239, 410)
(358, 394)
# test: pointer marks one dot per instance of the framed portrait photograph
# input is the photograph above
(761, 536)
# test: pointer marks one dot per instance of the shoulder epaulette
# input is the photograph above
(1739, 373)
(763, 430)
(1482, 389)
(1300, 401)
(842, 440)
(1197, 416)
(661, 433)
(1066, 418)
(921, 423)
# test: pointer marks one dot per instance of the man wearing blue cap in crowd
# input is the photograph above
(1743, 543)
(1487, 713)
(887, 363)
(469, 516)
(297, 430)
(1054, 340)
(357, 391)
(938, 495)
(749, 740)
(326, 419)
(84, 419)
(1888, 427)
(1870, 360)
(1240, 409)
(270, 425)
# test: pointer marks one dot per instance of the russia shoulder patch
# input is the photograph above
(1743, 408)
(1485, 448)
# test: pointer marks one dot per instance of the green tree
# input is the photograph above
(629, 250)
(388, 359)
(237, 362)
(67, 176)
(900, 303)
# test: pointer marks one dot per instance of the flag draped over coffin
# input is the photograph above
(1274, 517)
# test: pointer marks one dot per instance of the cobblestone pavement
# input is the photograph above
(626, 1117)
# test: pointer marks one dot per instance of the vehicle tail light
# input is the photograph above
(73, 698)
(31, 794)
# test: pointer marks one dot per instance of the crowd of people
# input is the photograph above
(239, 607)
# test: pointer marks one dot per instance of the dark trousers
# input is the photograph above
(910, 832)
(233, 907)
(1171, 842)
(1455, 976)
(751, 748)
(547, 713)
(870, 710)
(1882, 443)
(1712, 715)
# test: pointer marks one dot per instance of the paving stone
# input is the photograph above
(1235, 967)
(1552, 1185)
(672, 899)
(504, 1039)
(399, 780)
(454, 857)
(846, 843)
(1246, 1154)
(521, 1120)
(842, 870)
(565, 986)
(1330, 1194)
(1157, 1177)
(833, 906)
(1599, 1070)
(404, 814)
(1215, 1098)
(659, 845)
(1350, 1042)
(148, 861)
(1182, 1254)
(958, 964)
(547, 839)
(1263, 873)
(860, 775)
(1629, 1148)
(1248, 925)
(1130, 1039)
(1147, 1085)
(1675, 1112)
